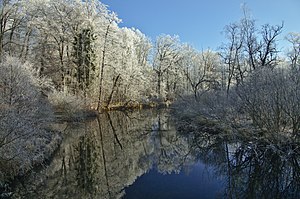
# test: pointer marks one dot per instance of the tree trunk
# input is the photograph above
(102, 68)
(159, 84)
(112, 91)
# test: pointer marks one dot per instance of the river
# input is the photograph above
(140, 155)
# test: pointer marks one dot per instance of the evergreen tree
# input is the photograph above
(84, 58)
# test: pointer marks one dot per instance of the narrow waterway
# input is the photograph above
(139, 155)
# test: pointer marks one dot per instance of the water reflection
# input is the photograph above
(254, 168)
(122, 152)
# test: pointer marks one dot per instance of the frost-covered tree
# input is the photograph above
(55, 26)
(84, 58)
(108, 34)
(15, 31)
(126, 74)
(291, 100)
(201, 70)
(294, 51)
(24, 114)
(130, 67)
(166, 57)
(271, 100)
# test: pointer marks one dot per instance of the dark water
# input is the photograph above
(140, 155)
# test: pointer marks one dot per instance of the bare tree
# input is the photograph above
(267, 47)
(231, 52)
(249, 48)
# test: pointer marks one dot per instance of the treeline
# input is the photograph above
(259, 92)
(81, 48)
(260, 88)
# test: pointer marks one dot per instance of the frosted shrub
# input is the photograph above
(24, 114)
(69, 105)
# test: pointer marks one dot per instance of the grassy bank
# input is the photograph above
(216, 113)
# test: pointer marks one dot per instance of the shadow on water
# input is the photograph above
(140, 155)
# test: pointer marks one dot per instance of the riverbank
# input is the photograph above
(269, 162)
(98, 158)
(193, 117)
(71, 113)
(189, 118)
(137, 106)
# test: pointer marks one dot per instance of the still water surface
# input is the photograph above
(139, 155)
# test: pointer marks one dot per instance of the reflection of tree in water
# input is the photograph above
(264, 170)
(86, 163)
(106, 157)
(100, 158)
(172, 150)
(254, 168)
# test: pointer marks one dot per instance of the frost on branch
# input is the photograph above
(24, 114)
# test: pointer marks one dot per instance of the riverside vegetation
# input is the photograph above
(69, 59)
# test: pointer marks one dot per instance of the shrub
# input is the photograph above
(24, 114)
(68, 106)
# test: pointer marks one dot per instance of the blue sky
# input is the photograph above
(201, 22)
